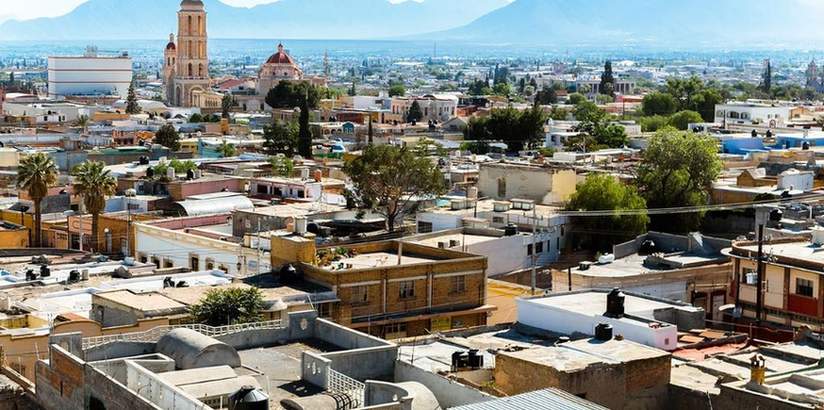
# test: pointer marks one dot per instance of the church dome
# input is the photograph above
(171, 46)
(191, 5)
(280, 57)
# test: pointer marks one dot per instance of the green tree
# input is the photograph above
(281, 138)
(682, 119)
(230, 306)
(35, 174)
(653, 123)
(766, 78)
(282, 165)
(601, 192)
(415, 112)
(546, 96)
(576, 98)
(502, 89)
(168, 137)
(226, 105)
(518, 129)
(291, 94)
(607, 80)
(304, 133)
(595, 123)
(226, 150)
(94, 183)
(391, 181)
(658, 103)
(479, 87)
(396, 89)
(677, 170)
(132, 107)
(196, 118)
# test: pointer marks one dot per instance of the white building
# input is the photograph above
(750, 113)
(89, 75)
(48, 112)
(646, 320)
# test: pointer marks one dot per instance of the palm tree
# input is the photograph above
(93, 181)
(36, 173)
(226, 150)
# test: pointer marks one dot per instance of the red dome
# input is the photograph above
(280, 57)
(171, 46)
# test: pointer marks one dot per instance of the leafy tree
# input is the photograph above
(607, 80)
(547, 96)
(682, 119)
(35, 174)
(354, 90)
(94, 183)
(479, 87)
(425, 147)
(282, 165)
(595, 123)
(415, 112)
(558, 113)
(397, 89)
(391, 181)
(576, 98)
(281, 138)
(220, 307)
(518, 129)
(290, 94)
(695, 95)
(658, 103)
(653, 123)
(132, 107)
(226, 150)
(600, 192)
(678, 169)
(196, 118)
(370, 132)
(168, 137)
(226, 105)
(180, 167)
(502, 89)
(304, 133)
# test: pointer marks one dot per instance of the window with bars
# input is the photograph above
(360, 295)
(458, 284)
(407, 289)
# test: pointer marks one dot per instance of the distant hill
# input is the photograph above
(285, 19)
(731, 24)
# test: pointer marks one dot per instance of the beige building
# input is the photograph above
(542, 184)
(438, 108)
(186, 63)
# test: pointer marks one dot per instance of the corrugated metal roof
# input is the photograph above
(546, 399)
(216, 205)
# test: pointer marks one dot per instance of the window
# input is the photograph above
(557, 244)
(529, 250)
(539, 247)
(194, 263)
(394, 330)
(210, 264)
(497, 219)
(360, 295)
(156, 261)
(325, 310)
(749, 276)
(167, 263)
(804, 287)
(458, 284)
(407, 289)
(424, 227)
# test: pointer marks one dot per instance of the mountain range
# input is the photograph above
(730, 24)
(284, 19)
(724, 24)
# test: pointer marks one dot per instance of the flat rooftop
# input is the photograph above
(797, 250)
(463, 239)
(594, 303)
(633, 265)
(378, 260)
(141, 301)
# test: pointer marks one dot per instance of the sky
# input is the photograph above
(29, 9)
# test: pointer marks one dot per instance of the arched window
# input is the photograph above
(200, 71)
(191, 70)
(190, 25)
(200, 25)
(190, 49)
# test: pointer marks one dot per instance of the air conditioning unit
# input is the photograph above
(751, 278)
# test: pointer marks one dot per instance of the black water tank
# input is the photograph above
(511, 230)
(248, 398)
(476, 361)
(615, 304)
(45, 272)
(603, 332)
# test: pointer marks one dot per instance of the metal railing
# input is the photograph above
(343, 384)
(154, 334)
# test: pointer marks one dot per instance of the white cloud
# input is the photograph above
(30, 9)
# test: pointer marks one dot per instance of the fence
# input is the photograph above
(345, 385)
(154, 334)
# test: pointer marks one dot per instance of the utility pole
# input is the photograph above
(759, 297)
(534, 253)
